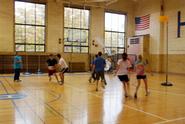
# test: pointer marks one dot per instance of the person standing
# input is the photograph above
(98, 66)
(52, 62)
(17, 67)
(123, 65)
(140, 74)
(63, 68)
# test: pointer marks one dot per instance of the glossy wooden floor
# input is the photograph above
(77, 102)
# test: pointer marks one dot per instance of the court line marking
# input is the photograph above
(123, 104)
(172, 120)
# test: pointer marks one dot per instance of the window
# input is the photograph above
(114, 33)
(29, 27)
(76, 30)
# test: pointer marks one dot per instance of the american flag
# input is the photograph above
(142, 22)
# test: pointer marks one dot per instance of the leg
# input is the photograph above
(97, 85)
(56, 77)
(125, 89)
(18, 74)
(15, 74)
(137, 87)
(146, 86)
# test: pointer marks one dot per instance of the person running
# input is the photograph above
(123, 65)
(52, 62)
(98, 66)
(63, 67)
(17, 67)
(140, 74)
(93, 74)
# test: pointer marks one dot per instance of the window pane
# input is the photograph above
(76, 18)
(121, 39)
(67, 49)
(85, 19)
(108, 51)
(115, 22)
(76, 35)
(121, 23)
(40, 14)
(108, 39)
(19, 47)
(120, 51)
(84, 36)
(30, 48)
(67, 17)
(114, 39)
(84, 49)
(108, 21)
(19, 34)
(30, 34)
(30, 13)
(40, 48)
(40, 34)
(76, 49)
(19, 12)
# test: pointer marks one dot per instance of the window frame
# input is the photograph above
(75, 28)
(117, 32)
(24, 44)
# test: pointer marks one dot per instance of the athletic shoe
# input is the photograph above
(135, 95)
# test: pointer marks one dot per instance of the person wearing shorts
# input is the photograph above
(98, 66)
(123, 66)
(63, 68)
(51, 62)
(140, 74)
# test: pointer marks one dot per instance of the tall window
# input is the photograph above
(76, 30)
(114, 33)
(29, 27)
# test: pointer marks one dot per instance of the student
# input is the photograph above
(63, 67)
(17, 67)
(93, 74)
(123, 65)
(98, 66)
(140, 74)
(52, 62)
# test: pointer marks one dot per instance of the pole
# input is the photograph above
(167, 83)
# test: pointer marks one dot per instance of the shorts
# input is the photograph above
(100, 74)
(141, 76)
(123, 78)
(51, 72)
(63, 70)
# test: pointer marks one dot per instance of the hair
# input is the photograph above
(124, 56)
(140, 57)
(99, 53)
(58, 55)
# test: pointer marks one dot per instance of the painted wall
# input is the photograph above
(158, 33)
(6, 26)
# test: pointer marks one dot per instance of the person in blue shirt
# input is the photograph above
(98, 66)
(17, 67)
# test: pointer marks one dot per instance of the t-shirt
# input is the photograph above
(52, 62)
(99, 64)
(62, 63)
(140, 67)
(17, 62)
(123, 67)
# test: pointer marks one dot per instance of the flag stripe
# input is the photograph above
(142, 22)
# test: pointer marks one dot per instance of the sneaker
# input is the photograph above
(19, 80)
(105, 82)
(89, 80)
(49, 78)
(96, 89)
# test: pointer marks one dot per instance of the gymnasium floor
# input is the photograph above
(77, 102)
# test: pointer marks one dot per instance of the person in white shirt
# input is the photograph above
(63, 67)
(123, 65)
